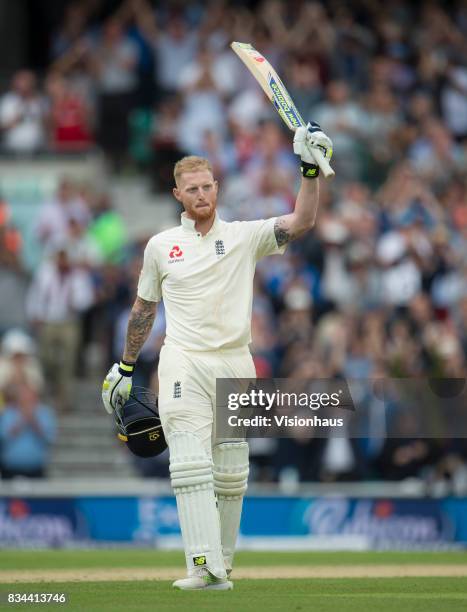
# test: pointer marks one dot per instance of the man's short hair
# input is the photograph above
(191, 163)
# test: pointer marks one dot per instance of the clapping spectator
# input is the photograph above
(69, 118)
(114, 64)
(175, 44)
(27, 430)
(22, 112)
(203, 109)
(19, 362)
(72, 28)
(400, 275)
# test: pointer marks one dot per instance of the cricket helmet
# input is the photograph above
(139, 424)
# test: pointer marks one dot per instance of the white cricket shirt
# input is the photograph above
(206, 282)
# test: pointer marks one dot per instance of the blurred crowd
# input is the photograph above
(378, 289)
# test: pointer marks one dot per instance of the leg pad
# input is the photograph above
(193, 484)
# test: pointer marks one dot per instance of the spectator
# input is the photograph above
(400, 276)
(106, 231)
(22, 112)
(454, 100)
(434, 150)
(54, 216)
(203, 109)
(272, 155)
(344, 121)
(114, 64)
(71, 30)
(304, 85)
(175, 45)
(164, 142)
(381, 122)
(59, 294)
(27, 430)
(13, 278)
(335, 280)
(405, 454)
(69, 119)
(83, 248)
(19, 362)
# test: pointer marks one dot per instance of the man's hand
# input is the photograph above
(117, 385)
(310, 141)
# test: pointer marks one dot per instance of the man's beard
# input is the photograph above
(202, 214)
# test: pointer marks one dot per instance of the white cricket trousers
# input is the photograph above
(187, 387)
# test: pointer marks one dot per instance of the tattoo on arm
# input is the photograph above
(282, 232)
(140, 324)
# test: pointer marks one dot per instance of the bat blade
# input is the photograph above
(271, 83)
(277, 93)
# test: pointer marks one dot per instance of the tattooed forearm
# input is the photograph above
(294, 225)
(139, 325)
(282, 231)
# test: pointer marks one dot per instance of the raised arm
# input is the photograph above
(145, 19)
(307, 139)
(140, 324)
(292, 226)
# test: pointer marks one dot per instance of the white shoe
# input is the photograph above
(206, 583)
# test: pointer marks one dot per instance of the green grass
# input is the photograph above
(349, 595)
(51, 559)
(285, 595)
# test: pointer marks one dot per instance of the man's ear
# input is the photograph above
(176, 193)
(216, 186)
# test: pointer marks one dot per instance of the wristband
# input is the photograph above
(309, 171)
(125, 368)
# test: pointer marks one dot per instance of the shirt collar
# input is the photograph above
(189, 224)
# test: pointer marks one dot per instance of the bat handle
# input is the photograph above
(323, 163)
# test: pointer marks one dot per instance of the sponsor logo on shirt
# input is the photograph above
(175, 254)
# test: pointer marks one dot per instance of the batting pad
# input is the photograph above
(230, 483)
(193, 485)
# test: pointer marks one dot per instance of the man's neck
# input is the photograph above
(204, 225)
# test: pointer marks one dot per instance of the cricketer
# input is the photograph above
(203, 269)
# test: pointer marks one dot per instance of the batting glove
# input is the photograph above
(117, 385)
(307, 139)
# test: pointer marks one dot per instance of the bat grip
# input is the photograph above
(323, 163)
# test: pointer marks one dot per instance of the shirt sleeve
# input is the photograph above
(149, 284)
(263, 238)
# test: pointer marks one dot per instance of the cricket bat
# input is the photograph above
(275, 90)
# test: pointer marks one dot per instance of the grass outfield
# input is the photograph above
(19, 559)
(384, 595)
(334, 594)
